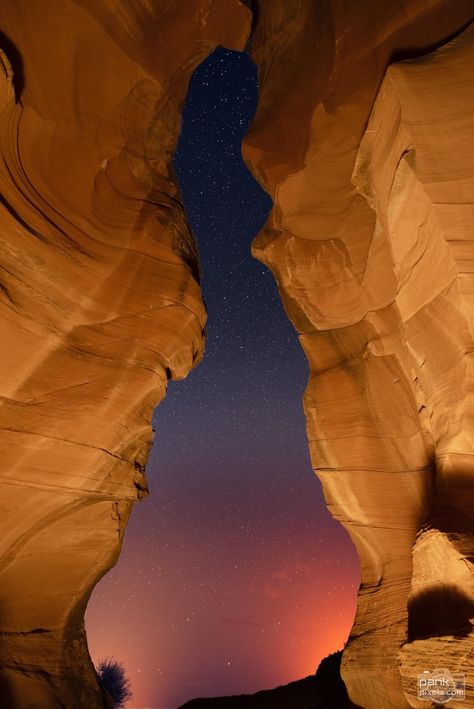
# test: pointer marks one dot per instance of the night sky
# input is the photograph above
(233, 576)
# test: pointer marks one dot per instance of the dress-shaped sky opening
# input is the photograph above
(233, 576)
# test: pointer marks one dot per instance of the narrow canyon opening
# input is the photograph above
(233, 575)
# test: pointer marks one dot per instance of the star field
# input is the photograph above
(233, 575)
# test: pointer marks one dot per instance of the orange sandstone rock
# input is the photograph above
(99, 303)
(369, 240)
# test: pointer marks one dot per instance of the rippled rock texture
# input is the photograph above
(370, 241)
(371, 172)
(99, 303)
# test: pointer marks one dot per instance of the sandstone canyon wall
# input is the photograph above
(370, 241)
(99, 303)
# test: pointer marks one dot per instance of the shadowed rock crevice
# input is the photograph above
(438, 611)
(16, 62)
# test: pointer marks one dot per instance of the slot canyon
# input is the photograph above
(362, 138)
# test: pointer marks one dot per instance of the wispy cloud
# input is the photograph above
(275, 585)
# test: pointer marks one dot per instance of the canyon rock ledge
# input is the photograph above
(363, 138)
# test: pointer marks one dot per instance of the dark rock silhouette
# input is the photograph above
(324, 690)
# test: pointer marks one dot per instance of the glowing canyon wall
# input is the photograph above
(372, 176)
(370, 241)
(99, 303)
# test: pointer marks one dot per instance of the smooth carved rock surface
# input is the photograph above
(370, 241)
(99, 303)
(418, 173)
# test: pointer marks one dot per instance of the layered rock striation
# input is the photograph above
(99, 303)
(363, 137)
(370, 243)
